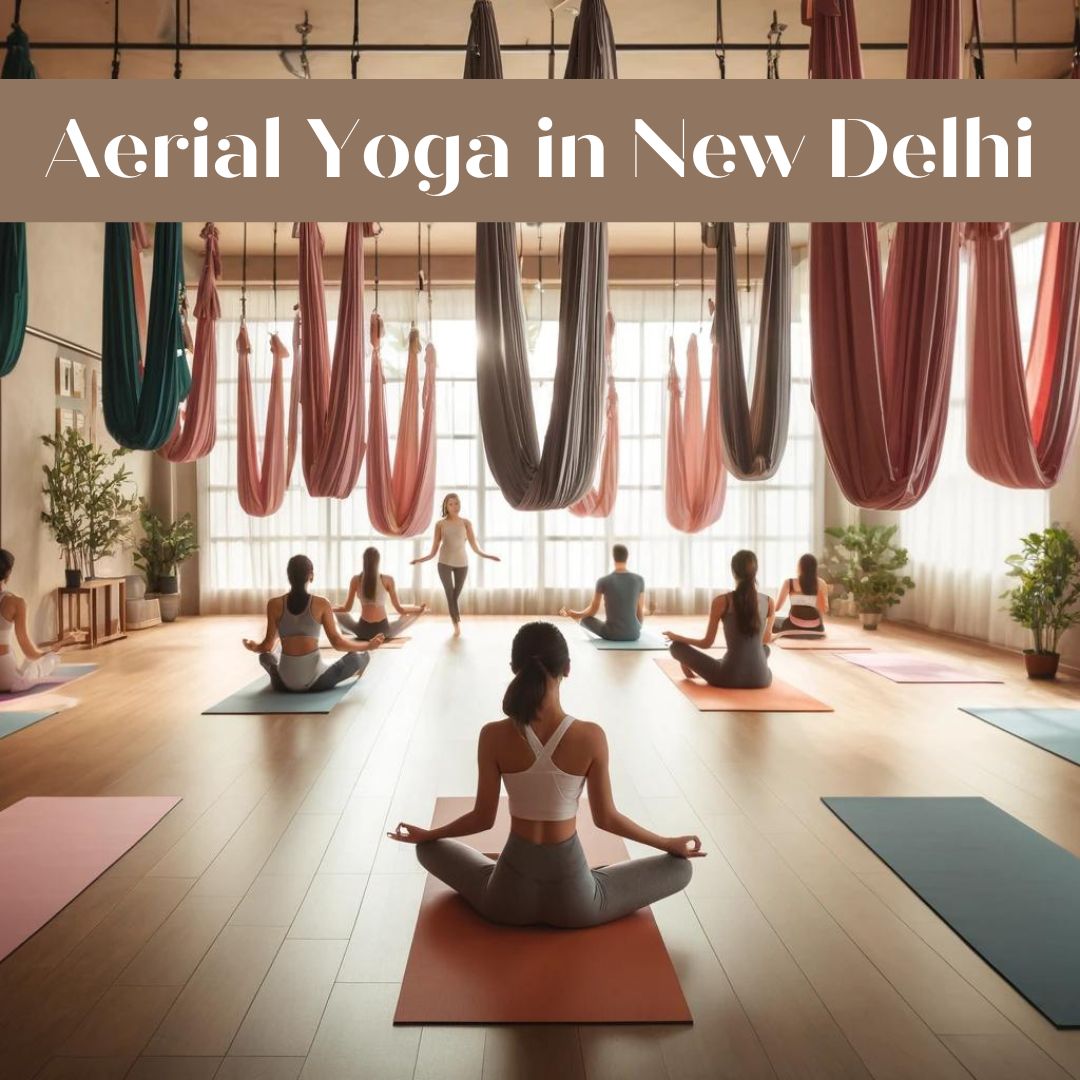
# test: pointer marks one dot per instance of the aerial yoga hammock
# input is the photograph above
(141, 396)
(599, 501)
(562, 473)
(754, 432)
(882, 359)
(400, 499)
(695, 483)
(196, 427)
(13, 275)
(332, 397)
(1021, 422)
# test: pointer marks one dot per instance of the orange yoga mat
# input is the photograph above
(465, 970)
(780, 697)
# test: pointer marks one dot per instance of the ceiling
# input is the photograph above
(520, 21)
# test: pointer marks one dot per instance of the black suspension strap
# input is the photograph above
(975, 45)
(354, 56)
(772, 54)
(178, 67)
(116, 40)
(720, 48)
(273, 271)
(243, 279)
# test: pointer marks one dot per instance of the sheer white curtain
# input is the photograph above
(960, 532)
(548, 558)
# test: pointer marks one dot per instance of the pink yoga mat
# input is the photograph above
(53, 848)
(909, 668)
(61, 676)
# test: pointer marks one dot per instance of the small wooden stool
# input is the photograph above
(102, 606)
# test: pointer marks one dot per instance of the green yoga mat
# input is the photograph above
(10, 722)
(1010, 893)
(260, 697)
(1056, 730)
(647, 642)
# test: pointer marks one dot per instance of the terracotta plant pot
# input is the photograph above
(1041, 665)
(870, 619)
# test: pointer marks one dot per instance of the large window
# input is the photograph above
(543, 554)
(961, 531)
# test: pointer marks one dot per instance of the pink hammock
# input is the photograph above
(600, 501)
(696, 481)
(1021, 422)
(332, 397)
(262, 491)
(195, 432)
(882, 359)
(400, 499)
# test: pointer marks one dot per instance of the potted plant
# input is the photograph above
(90, 505)
(158, 554)
(866, 562)
(1046, 595)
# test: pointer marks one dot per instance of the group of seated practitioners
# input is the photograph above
(623, 596)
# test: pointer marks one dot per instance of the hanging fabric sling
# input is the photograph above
(332, 396)
(141, 406)
(400, 499)
(599, 501)
(695, 483)
(196, 428)
(13, 274)
(1021, 421)
(262, 490)
(754, 432)
(562, 473)
(882, 359)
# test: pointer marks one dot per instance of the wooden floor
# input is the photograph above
(261, 930)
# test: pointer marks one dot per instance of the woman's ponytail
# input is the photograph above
(539, 652)
(745, 601)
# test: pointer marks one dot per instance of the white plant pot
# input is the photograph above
(169, 604)
(135, 587)
(871, 619)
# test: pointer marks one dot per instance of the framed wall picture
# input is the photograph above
(78, 379)
(64, 376)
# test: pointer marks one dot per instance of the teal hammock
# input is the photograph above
(140, 406)
(13, 286)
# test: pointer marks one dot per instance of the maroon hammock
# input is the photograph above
(1020, 422)
(400, 499)
(195, 432)
(882, 359)
(600, 501)
(332, 397)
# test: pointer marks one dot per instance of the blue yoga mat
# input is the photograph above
(10, 722)
(1010, 893)
(1056, 730)
(260, 697)
(647, 641)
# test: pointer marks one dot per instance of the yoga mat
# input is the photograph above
(53, 848)
(465, 970)
(10, 722)
(60, 676)
(907, 668)
(647, 642)
(260, 697)
(1010, 893)
(824, 644)
(780, 697)
(393, 643)
(1055, 730)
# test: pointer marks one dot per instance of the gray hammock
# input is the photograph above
(755, 431)
(563, 472)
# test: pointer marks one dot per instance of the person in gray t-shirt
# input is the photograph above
(623, 595)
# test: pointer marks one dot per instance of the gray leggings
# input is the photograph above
(365, 631)
(351, 663)
(551, 884)
(453, 581)
(736, 669)
(602, 630)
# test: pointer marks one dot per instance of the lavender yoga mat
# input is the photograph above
(908, 668)
(60, 676)
(53, 848)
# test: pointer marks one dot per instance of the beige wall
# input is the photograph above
(65, 262)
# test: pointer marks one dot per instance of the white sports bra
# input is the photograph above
(6, 629)
(543, 792)
(380, 593)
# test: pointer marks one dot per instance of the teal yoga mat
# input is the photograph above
(1010, 893)
(1055, 730)
(10, 722)
(647, 642)
(260, 697)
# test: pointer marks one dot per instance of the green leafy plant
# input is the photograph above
(90, 500)
(1047, 591)
(866, 562)
(162, 546)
